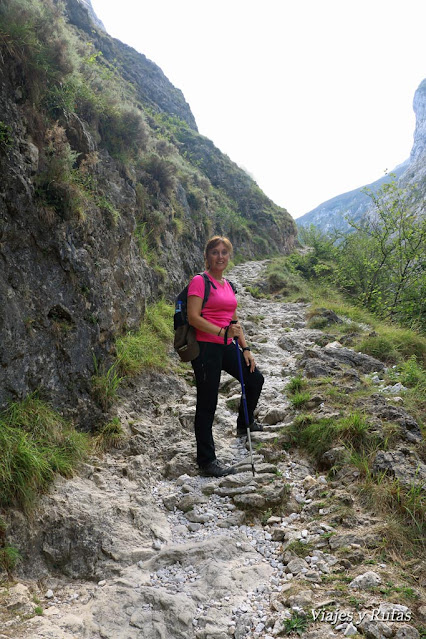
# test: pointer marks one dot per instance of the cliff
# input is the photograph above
(108, 195)
(412, 173)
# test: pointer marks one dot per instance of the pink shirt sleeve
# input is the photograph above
(196, 286)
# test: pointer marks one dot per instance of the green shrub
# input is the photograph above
(35, 443)
(34, 35)
(299, 399)
(123, 131)
(148, 347)
(297, 623)
(9, 557)
(6, 139)
(160, 175)
(319, 435)
(411, 373)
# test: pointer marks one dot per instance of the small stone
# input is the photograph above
(350, 630)
(49, 594)
(102, 583)
(156, 544)
(368, 580)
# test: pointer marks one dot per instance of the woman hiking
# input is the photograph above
(215, 333)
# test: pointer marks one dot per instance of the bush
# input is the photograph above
(123, 131)
(57, 185)
(35, 444)
(33, 34)
(160, 173)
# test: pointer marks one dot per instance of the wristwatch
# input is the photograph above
(246, 348)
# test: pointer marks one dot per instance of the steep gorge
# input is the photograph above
(108, 194)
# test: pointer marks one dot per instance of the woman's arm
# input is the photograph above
(194, 309)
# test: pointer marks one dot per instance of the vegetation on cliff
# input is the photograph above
(69, 87)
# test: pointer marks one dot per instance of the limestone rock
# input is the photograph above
(275, 416)
(365, 581)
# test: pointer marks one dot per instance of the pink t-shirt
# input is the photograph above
(219, 309)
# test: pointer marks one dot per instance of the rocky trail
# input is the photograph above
(139, 546)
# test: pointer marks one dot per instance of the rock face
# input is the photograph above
(90, 231)
(329, 215)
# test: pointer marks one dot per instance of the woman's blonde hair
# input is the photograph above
(213, 242)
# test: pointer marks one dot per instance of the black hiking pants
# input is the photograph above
(214, 358)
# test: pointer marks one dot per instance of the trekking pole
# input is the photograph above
(244, 400)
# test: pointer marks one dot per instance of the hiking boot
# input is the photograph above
(255, 427)
(215, 469)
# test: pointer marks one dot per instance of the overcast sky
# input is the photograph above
(312, 97)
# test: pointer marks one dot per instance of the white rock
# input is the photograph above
(367, 580)
(350, 630)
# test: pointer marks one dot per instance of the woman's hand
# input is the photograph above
(249, 359)
(234, 330)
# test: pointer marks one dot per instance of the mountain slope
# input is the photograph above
(104, 203)
(331, 214)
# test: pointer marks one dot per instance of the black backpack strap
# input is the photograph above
(232, 285)
(207, 284)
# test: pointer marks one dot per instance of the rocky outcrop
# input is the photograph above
(152, 86)
(419, 106)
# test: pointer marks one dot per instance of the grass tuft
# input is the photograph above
(35, 444)
(109, 436)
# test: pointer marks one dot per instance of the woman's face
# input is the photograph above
(218, 257)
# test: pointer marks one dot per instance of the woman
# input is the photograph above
(215, 334)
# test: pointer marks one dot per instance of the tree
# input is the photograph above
(383, 261)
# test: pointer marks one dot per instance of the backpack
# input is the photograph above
(185, 344)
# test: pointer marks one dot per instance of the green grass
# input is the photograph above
(148, 347)
(319, 435)
(297, 623)
(296, 385)
(405, 507)
(9, 557)
(36, 443)
(299, 549)
(109, 436)
(299, 399)
(105, 384)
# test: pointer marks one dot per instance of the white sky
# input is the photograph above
(312, 97)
